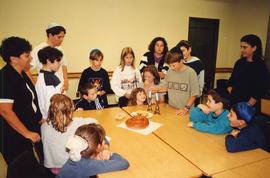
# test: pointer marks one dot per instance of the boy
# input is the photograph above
(212, 117)
(249, 133)
(48, 82)
(89, 98)
(181, 82)
(97, 76)
(55, 36)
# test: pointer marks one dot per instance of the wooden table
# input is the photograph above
(206, 151)
(148, 155)
(255, 170)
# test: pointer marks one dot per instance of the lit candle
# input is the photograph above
(157, 97)
(149, 94)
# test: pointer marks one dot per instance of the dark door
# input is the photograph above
(203, 35)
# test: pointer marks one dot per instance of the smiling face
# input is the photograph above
(141, 97)
(23, 61)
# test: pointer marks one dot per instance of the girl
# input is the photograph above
(59, 126)
(89, 155)
(248, 81)
(158, 49)
(97, 76)
(151, 81)
(125, 77)
(138, 97)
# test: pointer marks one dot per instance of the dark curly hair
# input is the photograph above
(151, 46)
(14, 46)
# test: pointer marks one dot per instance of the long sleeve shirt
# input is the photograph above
(89, 167)
(209, 122)
(250, 137)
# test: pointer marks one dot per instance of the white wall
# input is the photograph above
(111, 25)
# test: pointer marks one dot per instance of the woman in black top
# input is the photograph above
(19, 111)
(248, 81)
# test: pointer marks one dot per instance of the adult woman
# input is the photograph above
(18, 100)
(248, 80)
(158, 49)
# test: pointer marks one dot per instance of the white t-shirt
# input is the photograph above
(36, 64)
(54, 142)
(44, 94)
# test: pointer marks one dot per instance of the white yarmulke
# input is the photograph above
(76, 145)
(53, 24)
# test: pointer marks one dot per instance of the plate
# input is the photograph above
(120, 116)
(142, 113)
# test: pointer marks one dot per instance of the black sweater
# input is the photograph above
(99, 78)
(248, 79)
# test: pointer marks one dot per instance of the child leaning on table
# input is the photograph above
(90, 99)
(249, 132)
(89, 154)
(59, 127)
(212, 117)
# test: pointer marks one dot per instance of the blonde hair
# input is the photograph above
(133, 95)
(124, 53)
(94, 134)
(60, 112)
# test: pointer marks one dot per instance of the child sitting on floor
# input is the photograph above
(89, 154)
(89, 98)
(249, 132)
(212, 117)
(138, 97)
(59, 127)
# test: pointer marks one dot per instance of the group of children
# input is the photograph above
(246, 131)
(176, 74)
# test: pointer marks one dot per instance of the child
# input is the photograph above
(249, 133)
(125, 77)
(192, 61)
(158, 49)
(181, 83)
(59, 127)
(48, 83)
(212, 117)
(55, 36)
(151, 81)
(97, 76)
(89, 155)
(89, 98)
(138, 97)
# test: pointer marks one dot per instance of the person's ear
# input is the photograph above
(84, 97)
(13, 59)
(242, 122)
(254, 48)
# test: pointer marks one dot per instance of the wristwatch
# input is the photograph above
(187, 108)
